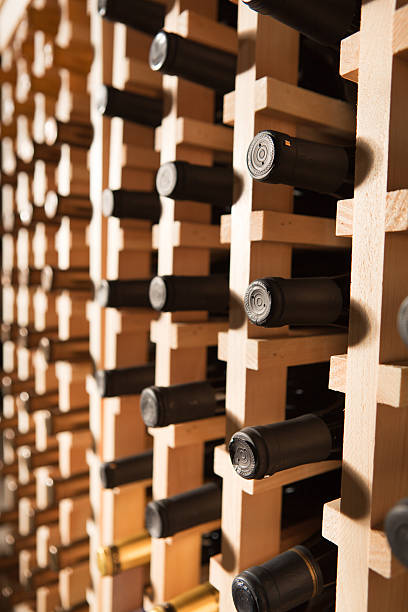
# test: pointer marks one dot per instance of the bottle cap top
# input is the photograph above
(108, 202)
(44, 346)
(243, 456)
(102, 293)
(155, 519)
(102, 6)
(151, 405)
(166, 179)
(261, 301)
(158, 293)
(105, 472)
(261, 155)
(102, 99)
(100, 379)
(158, 51)
(396, 527)
(104, 561)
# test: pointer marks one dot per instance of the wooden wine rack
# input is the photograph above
(44, 480)
(260, 235)
(375, 464)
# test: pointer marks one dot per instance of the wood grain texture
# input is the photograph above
(374, 443)
(350, 47)
(392, 381)
(278, 99)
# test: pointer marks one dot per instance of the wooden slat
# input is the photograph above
(396, 214)
(281, 100)
(350, 47)
(392, 381)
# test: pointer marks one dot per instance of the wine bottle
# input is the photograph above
(402, 320)
(13, 386)
(127, 470)
(289, 579)
(129, 106)
(165, 517)
(396, 528)
(173, 293)
(274, 301)
(161, 406)
(69, 555)
(138, 14)
(29, 338)
(72, 133)
(59, 488)
(184, 181)
(124, 381)
(73, 350)
(12, 593)
(263, 450)
(12, 543)
(172, 54)
(128, 554)
(30, 460)
(57, 206)
(57, 421)
(125, 204)
(74, 279)
(274, 157)
(123, 293)
(325, 22)
(319, 72)
(135, 468)
(203, 598)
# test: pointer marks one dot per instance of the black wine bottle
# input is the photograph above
(263, 450)
(74, 350)
(288, 580)
(135, 468)
(31, 402)
(138, 14)
(130, 106)
(396, 528)
(326, 22)
(162, 406)
(123, 293)
(319, 72)
(165, 517)
(127, 470)
(29, 338)
(71, 133)
(124, 381)
(57, 206)
(172, 54)
(277, 158)
(184, 181)
(125, 204)
(74, 279)
(173, 293)
(68, 555)
(274, 301)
